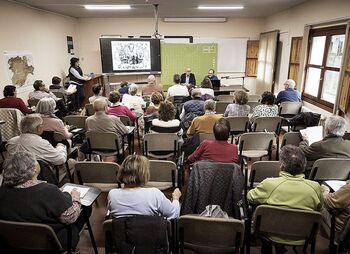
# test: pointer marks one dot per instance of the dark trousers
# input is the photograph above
(79, 96)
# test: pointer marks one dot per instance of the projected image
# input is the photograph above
(131, 55)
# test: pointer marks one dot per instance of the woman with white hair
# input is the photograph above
(46, 109)
(289, 93)
(332, 146)
(133, 101)
(24, 198)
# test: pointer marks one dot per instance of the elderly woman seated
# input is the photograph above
(332, 146)
(46, 109)
(24, 198)
(267, 107)
(291, 190)
(30, 141)
(166, 123)
(239, 107)
(133, 101)
(117, 109)
(153, 108)
(134, 198)
(219, 149)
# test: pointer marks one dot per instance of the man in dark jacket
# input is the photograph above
(188, 77)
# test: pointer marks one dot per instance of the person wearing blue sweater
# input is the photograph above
(289, 93)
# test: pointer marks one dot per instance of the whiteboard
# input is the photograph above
(231, 53)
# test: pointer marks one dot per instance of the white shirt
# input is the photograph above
(177, 90)
(41, 94)
(141, 201)
(135, 102)
(208, 91)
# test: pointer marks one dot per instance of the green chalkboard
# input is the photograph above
(176, 57)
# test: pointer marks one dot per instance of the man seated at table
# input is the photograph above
(219, 149)
(188, 77)
(177, 89)
(23, 198)
(102, 122)
(211, 75)
(289, 93)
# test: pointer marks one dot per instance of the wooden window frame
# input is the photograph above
(328, 32)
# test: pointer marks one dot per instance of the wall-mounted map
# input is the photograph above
(20, 69)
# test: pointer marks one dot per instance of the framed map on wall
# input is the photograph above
(20, 69)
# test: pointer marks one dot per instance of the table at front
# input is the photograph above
(87, 201)
(228, 89)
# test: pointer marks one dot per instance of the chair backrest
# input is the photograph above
(291, 138)
(89, 108)
(29, 236)
(125, 120)
(290, 108)
(330, 169)
(287, 222)
(58, 94)
(256, 140)
(12, 118)
(204, 136)
(107, 141)
(160, 142)
(33, 102)
(225, 98)
(239, 124)
(261, 170)
(210, 235)
(77, 121)
(221, 107)
(254, 97)
(90, 172)
(268, 123)
(176, 99)
(162, 171)
(252, 105)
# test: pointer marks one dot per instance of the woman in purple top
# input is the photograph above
(117, 109)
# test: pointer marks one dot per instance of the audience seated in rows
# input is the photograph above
(97, 90)
(57, 87)
(46, 109)
(207, 88)
(289, 93)
(332, 146)
(153, 108)
(11, 101)
(23, 198)
(239, 106)
(101, 122)
(41, 91)
(151, 86)
(205, 123)
(194, 106)
(166, 121)
(177, 89)
(30, 141)
(134, 198)
(117, 109)
(219, 149)
(133, 101)
(291, 190)
(267, 107)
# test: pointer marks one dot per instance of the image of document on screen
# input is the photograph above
(131, 55)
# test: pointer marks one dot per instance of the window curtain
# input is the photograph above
(303, 56)
(266, 61)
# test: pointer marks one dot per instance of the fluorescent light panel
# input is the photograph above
(220, 7)
(107, 7)
(195, 20)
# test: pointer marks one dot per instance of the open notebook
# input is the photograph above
(314, 134)
(82, 190)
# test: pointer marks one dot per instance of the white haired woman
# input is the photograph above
(46, 109)
(26, 199)
(133, 101)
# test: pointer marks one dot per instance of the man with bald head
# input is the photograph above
(188, 77)
(152, 86)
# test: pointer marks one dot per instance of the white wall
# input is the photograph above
(42, 33)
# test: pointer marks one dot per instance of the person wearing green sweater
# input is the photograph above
(291, 190)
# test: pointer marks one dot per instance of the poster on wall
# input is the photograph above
(131, 55)
(20, 69)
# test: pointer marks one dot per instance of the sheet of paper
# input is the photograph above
(82, 190)
(314, 134)
(72, 89)
(335, 184)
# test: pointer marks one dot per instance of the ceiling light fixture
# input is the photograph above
(195, 20)
(107, 7)
(220, 7)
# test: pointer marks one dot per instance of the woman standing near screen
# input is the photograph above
(77, 78)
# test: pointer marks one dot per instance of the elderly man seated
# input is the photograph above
(332, 146)
(102, 122)
(289, 93)
(291, 190)
(30, 141)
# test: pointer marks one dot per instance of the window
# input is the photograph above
(326, 48)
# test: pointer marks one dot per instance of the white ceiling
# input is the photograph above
(167, 8)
